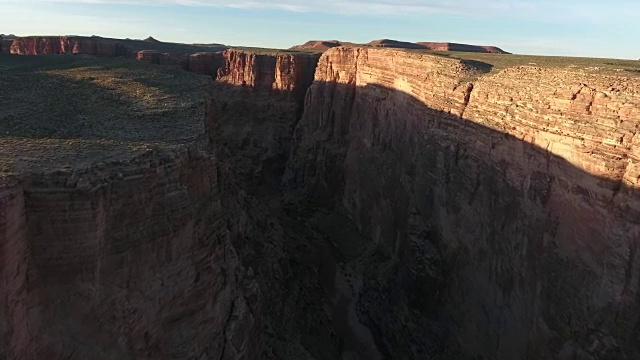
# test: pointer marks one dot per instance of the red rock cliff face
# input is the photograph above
(67, 45)
(286, 72)
(259, 99)
(13, 269)
(69, 267)
(502, 211)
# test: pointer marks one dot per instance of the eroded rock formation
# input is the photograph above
(501, 209)
(260, 98)
(68, 45)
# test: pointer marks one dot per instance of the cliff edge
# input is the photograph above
(500, 206)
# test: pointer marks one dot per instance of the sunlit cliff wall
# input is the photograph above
(502, 208)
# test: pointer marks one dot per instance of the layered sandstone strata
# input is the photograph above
(290, 72)
(501, 208)
(104, 47)
(67, 45)
(259, 99)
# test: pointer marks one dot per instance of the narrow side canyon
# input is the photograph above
(362, 204)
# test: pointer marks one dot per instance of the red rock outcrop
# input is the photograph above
(68, 45)
(279, 71)
(259, 99)
(501, 208)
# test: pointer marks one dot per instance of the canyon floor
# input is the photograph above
(363, 204)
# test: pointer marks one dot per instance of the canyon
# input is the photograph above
(369, 203)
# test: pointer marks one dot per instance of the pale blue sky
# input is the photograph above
(602, 28)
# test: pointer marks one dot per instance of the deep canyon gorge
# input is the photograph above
(363, 203)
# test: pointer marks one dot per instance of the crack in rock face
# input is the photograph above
(366, 203)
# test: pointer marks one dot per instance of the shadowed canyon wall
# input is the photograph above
(120, 267)
(259, 99)
(501, 209)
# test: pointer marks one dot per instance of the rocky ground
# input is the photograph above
(69, 111)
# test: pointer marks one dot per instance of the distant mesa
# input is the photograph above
(323, 45)
(106, 47)
(386, 43)
(446, 46)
